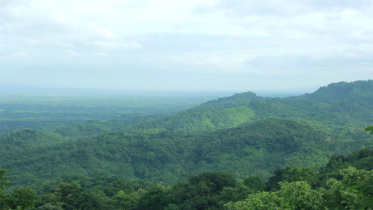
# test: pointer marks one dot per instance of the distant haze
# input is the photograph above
(17, 90)
(173, 45)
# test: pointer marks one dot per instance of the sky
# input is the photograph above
(183, 45)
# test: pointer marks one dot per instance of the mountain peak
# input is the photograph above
(343, 90)
(236, 99)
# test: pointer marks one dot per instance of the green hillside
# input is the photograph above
(336, 91)
(345, 182)
(342, 107)
(279, 142)
(252, 148)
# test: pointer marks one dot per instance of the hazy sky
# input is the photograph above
(185, 45)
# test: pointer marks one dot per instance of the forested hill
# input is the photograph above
(345, 182)
(244, 134)
(252, 148)
(235, 100)
(343, 90)
(338, 106)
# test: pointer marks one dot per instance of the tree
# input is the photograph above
(255, 183)
(369, 129)
(126, 201)
(156, 198)
(354, 191)
(291, 196)
(364, 186)
(209, 190)
(21, 198)
(72, 197)
(3, 179)
(301, 174)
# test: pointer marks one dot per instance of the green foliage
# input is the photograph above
(340, 107)
(79, 116)
(351, 189)
(3, 179)
(206, 191)
(71, 197)
(259, 201)
(92, 164)
(48, 206)
(125, 200)
(344, 193)
(156, 198)
(292, 196)
(21, 198)
(301, 174)
(255, 183)
(369, 129)
(299, 195)
(237, 193)
(256, 148)
(119, 186)
(292, 175)
(365, 185)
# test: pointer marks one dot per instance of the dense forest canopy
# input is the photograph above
(345, 182)
(236, 152)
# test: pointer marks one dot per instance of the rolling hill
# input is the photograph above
(244, 133)
(251, 148)
(337, 106)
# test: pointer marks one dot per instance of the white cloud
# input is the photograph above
(72, 53)
(103, 32)
(269, 37)
(18, 56)
(101, 54)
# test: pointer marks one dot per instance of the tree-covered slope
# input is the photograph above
(221, 113)
(343, 108)
(252, 148)
(345, 182)
(27, 139)
(354, 100)
(342, 90)
(347, 106)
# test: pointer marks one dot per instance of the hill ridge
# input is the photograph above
(341, 109)
(256, 148)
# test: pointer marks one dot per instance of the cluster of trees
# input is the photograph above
(354, 191)
(345, 182)
(257, 148)
(338, 185)
(22, 198)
